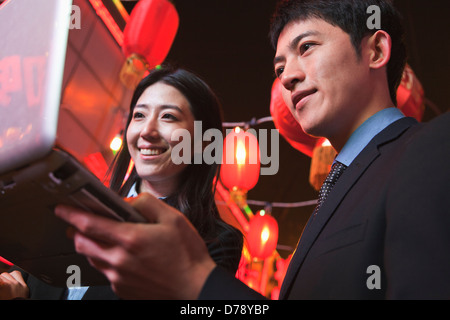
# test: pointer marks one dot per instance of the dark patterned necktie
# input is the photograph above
(336, 171)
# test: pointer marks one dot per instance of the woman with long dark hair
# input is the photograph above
(187, 187)
(165, 101)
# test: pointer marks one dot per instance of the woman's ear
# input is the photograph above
(379, 46)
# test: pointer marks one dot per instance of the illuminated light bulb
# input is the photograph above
(241, 154)
(116, 144)
(265, 234)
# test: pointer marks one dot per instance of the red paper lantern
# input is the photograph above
(262, 237)
(148, 36)
(240, 160)
(286, 124)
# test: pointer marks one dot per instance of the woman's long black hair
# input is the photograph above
(195, 194)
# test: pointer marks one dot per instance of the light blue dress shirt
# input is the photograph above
(366, 132)
(76, 293)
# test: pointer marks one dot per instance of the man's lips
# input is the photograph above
(300, 95)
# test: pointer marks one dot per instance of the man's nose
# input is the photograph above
(292, 74)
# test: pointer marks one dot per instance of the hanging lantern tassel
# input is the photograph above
(321, 161)
(148, 36)
(240, 167)
(133, 70)
(263, 235)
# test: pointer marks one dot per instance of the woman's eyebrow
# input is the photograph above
(170, 106)
(162, 107)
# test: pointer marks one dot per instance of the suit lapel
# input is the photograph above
(337, 194)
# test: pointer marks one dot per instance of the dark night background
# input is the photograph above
(226, 43)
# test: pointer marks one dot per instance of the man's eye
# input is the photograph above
(305, 47)
(279, 71)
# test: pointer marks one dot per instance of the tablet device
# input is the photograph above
(36, 175)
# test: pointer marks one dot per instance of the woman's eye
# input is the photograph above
(138, 115)
(169, 116)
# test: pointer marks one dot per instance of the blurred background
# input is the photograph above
(226, 43)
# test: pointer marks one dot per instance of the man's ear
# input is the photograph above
(379, 46)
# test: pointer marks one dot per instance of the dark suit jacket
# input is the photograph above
(390, 209)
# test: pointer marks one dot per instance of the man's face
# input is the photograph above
(324, 81)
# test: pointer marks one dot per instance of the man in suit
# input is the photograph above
(383, 230)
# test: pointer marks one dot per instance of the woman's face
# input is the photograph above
(160, 110)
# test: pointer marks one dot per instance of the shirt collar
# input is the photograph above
(134, 193)
(365, 133)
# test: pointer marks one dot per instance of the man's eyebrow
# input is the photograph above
(294, 43)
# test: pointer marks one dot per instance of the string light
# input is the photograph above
(116, 144)
(283, 204)
(252, 123)
(247, 124)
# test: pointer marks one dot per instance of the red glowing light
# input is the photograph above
(263, 235)
(241, 161)
(109, 21)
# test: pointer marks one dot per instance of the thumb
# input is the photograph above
(151, 208)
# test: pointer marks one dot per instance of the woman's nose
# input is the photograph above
(150, 130)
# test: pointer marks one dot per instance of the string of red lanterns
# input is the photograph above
(239, 172)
